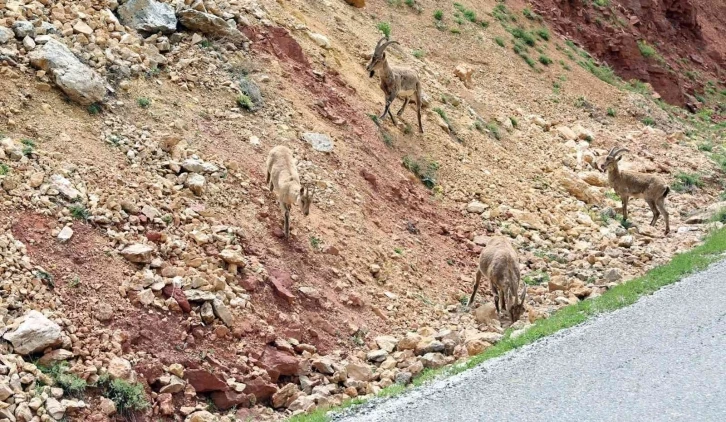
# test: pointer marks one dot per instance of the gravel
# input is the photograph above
(659, 359)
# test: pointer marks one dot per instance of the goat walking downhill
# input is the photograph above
(629, 184)
(499, 263)
(283, 179)
(396, 82)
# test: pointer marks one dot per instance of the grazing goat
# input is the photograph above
(396, 82)
(629, 184)
(283, 179)
(499, 263)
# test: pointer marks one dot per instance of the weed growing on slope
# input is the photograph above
(426, 170)
(385, 29)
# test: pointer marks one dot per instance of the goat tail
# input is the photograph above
(667, 191)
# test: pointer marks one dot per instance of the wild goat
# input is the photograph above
(629, 184)
(283, 179)
(499, 263)
(396, 82)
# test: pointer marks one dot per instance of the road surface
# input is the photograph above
(661, 359)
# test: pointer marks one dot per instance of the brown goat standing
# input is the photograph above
(396, 82)
(499, 263)
(629, 184)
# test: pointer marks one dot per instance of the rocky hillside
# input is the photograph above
(675, 45)
(144, 271)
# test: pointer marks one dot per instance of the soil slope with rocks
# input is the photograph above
(144, 271)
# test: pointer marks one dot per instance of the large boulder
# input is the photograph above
(34, 334)
(210, 25)
(148, 16)
(205, 381)
(81, 83)
(279, 363)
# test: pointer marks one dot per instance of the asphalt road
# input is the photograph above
(661, 359)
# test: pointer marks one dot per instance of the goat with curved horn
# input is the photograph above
(629, 184)
(396, 82)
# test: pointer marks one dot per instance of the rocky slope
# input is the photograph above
(675, 45)
(137, 223)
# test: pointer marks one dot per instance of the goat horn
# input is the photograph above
(612, 151)
(621, 151)
(524, 294)
(384, 46)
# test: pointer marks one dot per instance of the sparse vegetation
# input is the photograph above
(72, 384)
(535, 278)
(419, 54)
(543, 33)
(493, 129)
(94, 109)
(426, 170)
(4, 169)
(244, 102)
(545, 60)
(648, 121)
(529, 14)
(499, 41)
(468, 14)
(79, 212)
(384, 28)
(612, 112)
(707, 147)
(439, 15)
(687, 182)
(315, 242)
(646, 49)
(612, 195)
(28, 147)
(523, 35)
(128, 397)
(143, 102)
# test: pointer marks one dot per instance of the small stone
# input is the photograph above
(387, 343)
(377, 355)
(107, 406)
(138, 253)
(433, 360)
(120, 368)
(65, 234)
(195, 182)
(319, 141)
(613, 275)
(320, 40)
(36, 179)
(28, 43)
(476, 207)
(82, 28)
(403, 378)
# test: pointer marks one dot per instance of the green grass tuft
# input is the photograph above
(72, 384)
(545, 60)
(687, 182)
(244, 102)
(128, 397)
(439, 15)
(4, 169)
(499, 41)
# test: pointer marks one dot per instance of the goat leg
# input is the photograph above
(655, 211)
(418, 107)
(496, 298)
(625, 208)
(477, 279)
(405, 103)
(287, 222)
(661, 206)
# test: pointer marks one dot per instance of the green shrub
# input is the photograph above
(543, 33)
(523, 35)
(385, 28)
(79, 212)
(529, 14)
(611, 112)
(243, 101)
(493, 129)
(128, 397)
(720, 216)
(648, 121)
(419, 54)
(71, 384)
(687, 182)
(94, 109)
(646, 49)
(545, 60)
(4, 169)
(426, 170)
(499, 41)
(708, 147)
(439, 15)
(143, 102)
